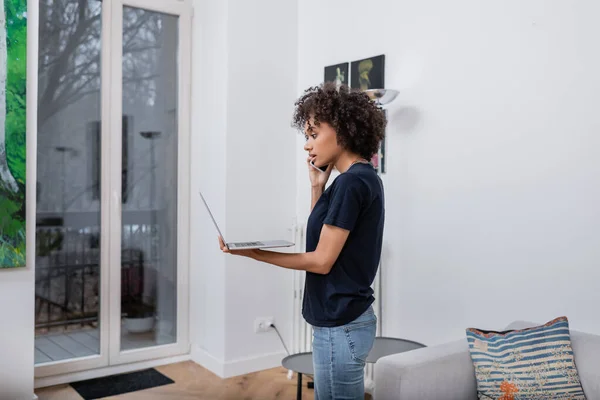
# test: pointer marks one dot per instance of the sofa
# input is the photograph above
(446, 372)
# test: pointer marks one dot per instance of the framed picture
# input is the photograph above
(13, 73)
(378, 159)
(337, 73)
(368, 73)
(382, 148)
(375, 161)
(382, 157)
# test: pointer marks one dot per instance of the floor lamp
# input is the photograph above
(382, 97)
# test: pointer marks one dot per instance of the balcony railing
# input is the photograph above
(67, 273)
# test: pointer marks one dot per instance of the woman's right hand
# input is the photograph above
(318, 178)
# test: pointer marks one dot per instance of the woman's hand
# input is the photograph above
(318, 178)
(246, 253)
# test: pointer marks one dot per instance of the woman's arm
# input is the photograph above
(320, 261)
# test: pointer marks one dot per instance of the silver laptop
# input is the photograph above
(257, 244)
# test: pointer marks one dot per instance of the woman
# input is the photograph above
(343, 129)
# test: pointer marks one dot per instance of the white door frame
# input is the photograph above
(183, 11)
(110, 210)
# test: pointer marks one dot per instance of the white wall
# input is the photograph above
(16, 339)
(209, 128)
(17, 285)
(245, 71)
(492, 183)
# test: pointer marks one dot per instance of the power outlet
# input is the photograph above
(263, 324)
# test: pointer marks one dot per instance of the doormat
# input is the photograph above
(119, 384)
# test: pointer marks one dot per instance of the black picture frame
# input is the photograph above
(332, 72)
(368, 73)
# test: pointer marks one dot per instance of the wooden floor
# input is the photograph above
(195, 382)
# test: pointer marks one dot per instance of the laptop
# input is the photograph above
(255, 244)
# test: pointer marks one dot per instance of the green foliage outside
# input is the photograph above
(12, 205)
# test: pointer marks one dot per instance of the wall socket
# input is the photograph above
(263, 324)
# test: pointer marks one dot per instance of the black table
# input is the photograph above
(302, 363)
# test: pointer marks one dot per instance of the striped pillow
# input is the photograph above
(526, 364)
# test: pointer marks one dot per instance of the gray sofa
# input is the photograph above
(445, 372)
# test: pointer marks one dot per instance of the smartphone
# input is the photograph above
(322, 169)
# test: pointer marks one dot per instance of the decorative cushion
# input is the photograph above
(525, 364)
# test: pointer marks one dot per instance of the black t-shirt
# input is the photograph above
(354, 201)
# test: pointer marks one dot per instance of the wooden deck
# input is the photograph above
(63, 346)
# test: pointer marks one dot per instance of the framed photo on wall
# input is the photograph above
(378, 159)
(368, 73)
(336, 73)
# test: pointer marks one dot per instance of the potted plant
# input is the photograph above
(139, 317)
(138, 309)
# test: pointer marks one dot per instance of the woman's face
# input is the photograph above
(321, 143)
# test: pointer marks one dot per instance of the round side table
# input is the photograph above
(385, 346)
(302, 363)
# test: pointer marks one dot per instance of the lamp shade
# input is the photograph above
(382, 96)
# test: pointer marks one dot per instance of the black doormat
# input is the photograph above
(119, 384)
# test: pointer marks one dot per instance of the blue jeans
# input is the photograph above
(339, 357)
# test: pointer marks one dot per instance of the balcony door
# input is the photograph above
(112, 191)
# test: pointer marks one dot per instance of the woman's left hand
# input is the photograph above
(246, 253)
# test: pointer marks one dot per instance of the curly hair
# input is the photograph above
(357, 120)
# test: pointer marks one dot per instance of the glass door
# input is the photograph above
(71, 272)
(113, 197)
(151, 55)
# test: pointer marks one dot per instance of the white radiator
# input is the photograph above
(302, 332)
